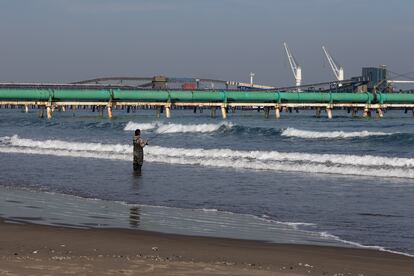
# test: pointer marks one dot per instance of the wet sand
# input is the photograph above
(43, 250)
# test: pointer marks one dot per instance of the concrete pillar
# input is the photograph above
(354, 112)
(26, 108)
(168, 111)
(101, 111)
(267, 112)
(213, 112)
(277, 112)
(329, 113)
(49, 112)
(380, 114)
(366, 112)
(158, 112)
(42, 112)
(223, 112)
(318, 112)
(110, 114)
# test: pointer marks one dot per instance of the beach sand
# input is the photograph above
(44, 250)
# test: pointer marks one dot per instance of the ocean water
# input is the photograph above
(300, 179)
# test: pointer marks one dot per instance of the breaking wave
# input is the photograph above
(177, 128)
(306, 134)
(229, 128)
(131, 126)
(366, 165)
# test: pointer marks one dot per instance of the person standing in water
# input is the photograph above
(139, 145)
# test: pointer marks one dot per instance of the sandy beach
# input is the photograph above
(43, 250)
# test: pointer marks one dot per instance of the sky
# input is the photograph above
(70, 40)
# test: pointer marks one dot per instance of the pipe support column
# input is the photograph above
(110, 114)
(168, 111)
(380, 113)
(223, 112)
(277, 112)
(213, 112)
(329, 112)
(367, 112)
(318, 112)
(267, 112)
(49, 112)
(354, 112)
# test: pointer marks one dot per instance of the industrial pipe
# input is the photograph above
(107, 95)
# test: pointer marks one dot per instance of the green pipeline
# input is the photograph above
(181, 96)
(395, 98)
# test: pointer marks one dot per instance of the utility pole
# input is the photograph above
(252, 79)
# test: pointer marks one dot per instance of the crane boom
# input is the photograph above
(296, 69)
(337, 69)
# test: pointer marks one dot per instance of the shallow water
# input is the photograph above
(346, 179)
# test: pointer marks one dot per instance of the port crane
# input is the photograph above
(296, 69)
(337, 69)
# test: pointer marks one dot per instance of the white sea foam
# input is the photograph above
(198, 128)
(355, 244)
(131, 126)
(176, 128)
(367, 165)
(294, 225)
(68, 146)
(209, 210)
(306, 134)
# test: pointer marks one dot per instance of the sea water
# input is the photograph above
(300, 179)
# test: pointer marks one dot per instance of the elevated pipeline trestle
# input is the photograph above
(113, 98)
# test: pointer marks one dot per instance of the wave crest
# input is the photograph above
(306, 134)
(131, 126)
(177, 128)
(366, 165)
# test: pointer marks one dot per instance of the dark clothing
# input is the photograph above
(137, 167)
(139, 145)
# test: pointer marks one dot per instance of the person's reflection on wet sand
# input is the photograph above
(134, 217)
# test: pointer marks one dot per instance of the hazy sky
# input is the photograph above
(69, 40)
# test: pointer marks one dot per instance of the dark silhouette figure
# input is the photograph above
(139, 145)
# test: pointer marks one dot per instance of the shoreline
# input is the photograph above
(38, 249)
